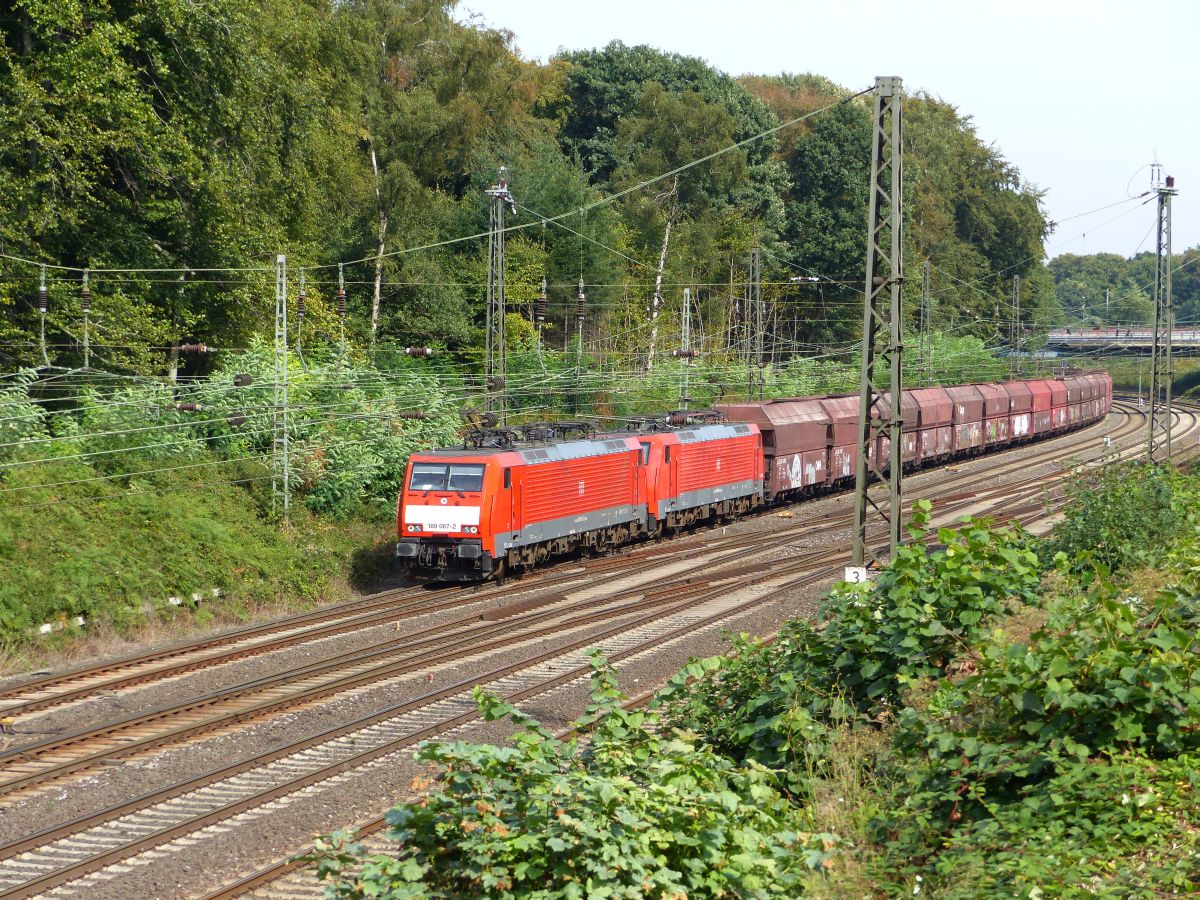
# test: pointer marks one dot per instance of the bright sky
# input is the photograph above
(1081, 95)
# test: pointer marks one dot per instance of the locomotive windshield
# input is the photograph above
(466, 478)
(438, 477)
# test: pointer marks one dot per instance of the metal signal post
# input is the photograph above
(926, 354)
(1158, 434)
(496, 305)
(882, 346)
(757, 330)
(280, 471)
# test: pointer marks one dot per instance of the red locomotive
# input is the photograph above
(513, 498)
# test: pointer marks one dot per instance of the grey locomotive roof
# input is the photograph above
(574, 450)
(711, 432)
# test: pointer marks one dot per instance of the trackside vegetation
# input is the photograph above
(993, 716)
(118, 494)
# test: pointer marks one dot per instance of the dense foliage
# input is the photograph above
(1032, 751)
(215, 134)
(775, 703)
(1106, 289)
(623, 811)
(1124, 515)
(971, 724)
(123, 499)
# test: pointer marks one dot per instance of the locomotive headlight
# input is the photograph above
(470, 529)
(412, 527)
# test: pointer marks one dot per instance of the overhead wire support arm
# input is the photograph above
(882, 340)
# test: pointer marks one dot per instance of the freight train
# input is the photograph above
(510, 499)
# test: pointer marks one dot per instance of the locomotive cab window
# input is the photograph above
(428, 477)
(508, 478)
(466, 478)
(645, 453)
(667, 453)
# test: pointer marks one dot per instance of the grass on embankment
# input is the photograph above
(116, 551)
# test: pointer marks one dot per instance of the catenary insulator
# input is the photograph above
(579, 303)
(418, 351)
(193, 348)
(684, 354)
(539, 307)
(85, 295)
(341, 303)
(189, 407)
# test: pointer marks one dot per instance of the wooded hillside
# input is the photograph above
(214, 134)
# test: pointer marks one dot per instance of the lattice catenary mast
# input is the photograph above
(1158, 434)
(882, 346)
(926, 354)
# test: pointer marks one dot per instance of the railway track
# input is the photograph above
(39, 762)
(627, 619)
(392, 606)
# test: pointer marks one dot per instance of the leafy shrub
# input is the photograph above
(1115, 826)
(772, 703)
(1052, 732)
(631, 812)
(1123, 514)
(20, 419)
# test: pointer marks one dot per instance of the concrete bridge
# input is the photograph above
(1134, 340)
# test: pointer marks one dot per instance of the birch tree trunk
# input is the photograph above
(383, 227)
(656, 302)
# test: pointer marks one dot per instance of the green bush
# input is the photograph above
(633, 812)
(1124, 514)
(773, 703)
(113, 551)
(1042, 743)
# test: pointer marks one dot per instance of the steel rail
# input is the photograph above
(165, 834)
(353, 615)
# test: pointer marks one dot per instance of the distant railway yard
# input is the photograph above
(152, 775)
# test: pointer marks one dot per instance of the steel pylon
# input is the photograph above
(882, 348)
